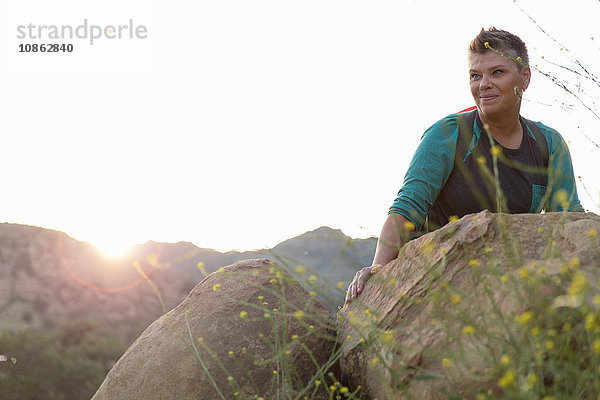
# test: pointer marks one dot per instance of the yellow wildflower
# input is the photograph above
(388, 337)
(267, 315)
(561, 196)
(540, 229)
(504, 360)
(312, 278)
(317, 383)
(496, 150)
(488, 250)
(504, 278)
(523, 272)
(474, 263)
(596, 346)
(340, 285)
(447, 363)
(311, 327)
(300, 269)
(508, 379)
(549, 344)
(200, 266)
(574, 263)
(453, 218)
(273, 280)
(299, 314)
(592, 233)
(374, 361)
(221, 270)
(409, 226)
(312, 293)
(468, 330)
(344, 389)
(578, 283)
(216, 286)
(481, 160)
(243, 314)
(524, 318)
(200, 339)
(532, 380)
(535, 331)
(590, 321)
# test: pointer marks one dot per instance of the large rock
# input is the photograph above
(247, 331)
(481, 307)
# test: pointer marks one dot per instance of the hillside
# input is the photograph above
(48, 278)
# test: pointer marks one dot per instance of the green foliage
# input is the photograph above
(68, 363)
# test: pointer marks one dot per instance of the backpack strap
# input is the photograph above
(540, 140)
(465, 135)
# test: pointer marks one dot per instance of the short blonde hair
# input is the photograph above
(501, 41)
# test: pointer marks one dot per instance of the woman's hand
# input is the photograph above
(358, 283)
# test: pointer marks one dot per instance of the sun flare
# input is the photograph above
(113, 248)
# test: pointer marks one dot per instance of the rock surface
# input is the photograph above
(246, 331)
(455, 294)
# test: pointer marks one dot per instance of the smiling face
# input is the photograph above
(493, 79)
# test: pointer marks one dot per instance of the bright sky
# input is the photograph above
(239, 124)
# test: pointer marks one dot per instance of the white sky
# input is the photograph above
(239, 124)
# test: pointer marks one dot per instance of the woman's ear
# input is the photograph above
(526, 75)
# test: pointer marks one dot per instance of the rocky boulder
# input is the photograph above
(247, 331)
(490, 305)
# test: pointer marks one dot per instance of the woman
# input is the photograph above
(451, 173)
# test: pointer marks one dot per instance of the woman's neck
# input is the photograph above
(507, 131)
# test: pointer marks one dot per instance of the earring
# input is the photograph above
(519, 92)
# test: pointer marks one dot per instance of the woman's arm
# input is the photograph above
(394, 234)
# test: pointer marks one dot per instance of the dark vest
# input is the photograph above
(471, 186)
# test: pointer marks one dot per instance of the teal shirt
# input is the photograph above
(433, 187)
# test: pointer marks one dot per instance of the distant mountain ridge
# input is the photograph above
(47, 277)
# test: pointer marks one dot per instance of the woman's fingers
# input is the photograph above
(358, 283)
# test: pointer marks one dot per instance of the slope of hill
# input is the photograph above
(47, 277)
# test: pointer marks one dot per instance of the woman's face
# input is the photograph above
(493, 80)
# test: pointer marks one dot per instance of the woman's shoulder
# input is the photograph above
(445, 127)
(552, 136)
